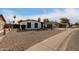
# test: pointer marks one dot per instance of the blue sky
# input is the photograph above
(34, 13)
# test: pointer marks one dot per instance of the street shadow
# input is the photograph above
(19, 30)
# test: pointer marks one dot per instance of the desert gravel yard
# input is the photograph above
(19, 41)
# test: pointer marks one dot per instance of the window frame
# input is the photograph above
(36, 25)
(28, 26)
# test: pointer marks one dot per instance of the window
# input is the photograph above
(28, 25)
(36, 25)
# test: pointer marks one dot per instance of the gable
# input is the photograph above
(2, 18)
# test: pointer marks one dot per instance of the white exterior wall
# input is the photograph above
(32, 24)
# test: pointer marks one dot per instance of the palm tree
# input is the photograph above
(14, 19)
(46, 20)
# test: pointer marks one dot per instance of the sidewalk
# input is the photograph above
(53, 43)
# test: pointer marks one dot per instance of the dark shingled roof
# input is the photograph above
(28, 20)
(2, 18)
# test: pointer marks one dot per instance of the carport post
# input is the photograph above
(4, 30)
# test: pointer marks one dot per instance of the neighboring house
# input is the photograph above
(53, 24)
(31, 25)
(2, 22)
(75, 26)
(61, 25)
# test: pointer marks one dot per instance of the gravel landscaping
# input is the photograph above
(19, 41)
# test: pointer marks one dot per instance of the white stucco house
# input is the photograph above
(31, 25)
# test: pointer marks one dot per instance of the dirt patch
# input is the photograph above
(19, 41)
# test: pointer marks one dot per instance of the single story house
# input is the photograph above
(31, 25)
(75, 26)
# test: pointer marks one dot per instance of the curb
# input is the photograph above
(42, 46)
(60, 48)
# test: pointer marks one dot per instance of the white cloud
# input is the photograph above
(72, 14)
(8, 14)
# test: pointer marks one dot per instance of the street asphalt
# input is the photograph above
(67, 41)
(73, 44)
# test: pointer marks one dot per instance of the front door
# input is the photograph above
(23, 27)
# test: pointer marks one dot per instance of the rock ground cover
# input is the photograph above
(19, 41)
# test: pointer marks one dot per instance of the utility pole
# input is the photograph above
(4, 30)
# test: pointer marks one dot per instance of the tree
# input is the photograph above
(76, 23)
(51, 22)
(39, 19)
(65, 22)
(46, 20)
